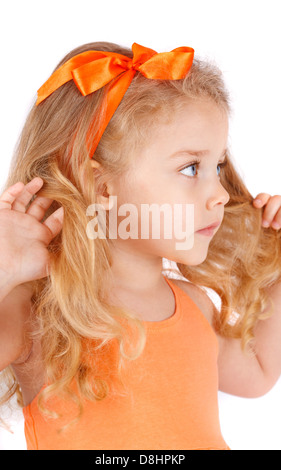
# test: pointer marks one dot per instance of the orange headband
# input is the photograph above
(91, 70)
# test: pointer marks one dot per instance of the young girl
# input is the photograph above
(102, 349)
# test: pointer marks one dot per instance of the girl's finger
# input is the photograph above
(54, 223)
(261, 199)
(271, 210)
(276, 223)
(27, 193)
(39, 206)
(9, 196)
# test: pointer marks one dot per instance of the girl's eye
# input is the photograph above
(222, 165)
(192, 169)
(194, 165)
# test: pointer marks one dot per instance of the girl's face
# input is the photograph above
(179, 165)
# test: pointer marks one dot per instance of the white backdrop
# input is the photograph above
(241, 36)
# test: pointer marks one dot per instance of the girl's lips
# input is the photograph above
(209, 231)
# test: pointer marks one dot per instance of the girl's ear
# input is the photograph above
(104, 189)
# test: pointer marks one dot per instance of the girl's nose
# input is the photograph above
(219, 195)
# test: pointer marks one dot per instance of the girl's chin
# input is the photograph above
(190, 257)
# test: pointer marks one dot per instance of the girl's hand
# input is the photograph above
(23, 238)
(272, 209)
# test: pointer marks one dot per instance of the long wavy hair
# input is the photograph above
(74, 322)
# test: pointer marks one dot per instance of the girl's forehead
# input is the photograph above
(196, 127)
(191, 117)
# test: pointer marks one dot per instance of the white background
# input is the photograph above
(242, 37)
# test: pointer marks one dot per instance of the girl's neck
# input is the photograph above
(136, 272)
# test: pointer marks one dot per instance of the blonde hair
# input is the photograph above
(75, 321)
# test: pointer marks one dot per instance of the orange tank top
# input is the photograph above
(171, 399)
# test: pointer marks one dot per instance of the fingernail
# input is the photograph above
(275, 225)
(60, 213)
(35, 180)
(265, 223)
(258, 202)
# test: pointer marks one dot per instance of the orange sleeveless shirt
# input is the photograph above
(171, 399)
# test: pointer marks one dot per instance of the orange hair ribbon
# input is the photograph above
(91, 70)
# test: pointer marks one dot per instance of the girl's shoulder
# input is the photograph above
(30, 374)
(199, 297)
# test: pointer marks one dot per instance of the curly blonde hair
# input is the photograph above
(69, 305)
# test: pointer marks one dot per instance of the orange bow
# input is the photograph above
(91, 70)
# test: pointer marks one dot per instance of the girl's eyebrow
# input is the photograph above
(197, 153)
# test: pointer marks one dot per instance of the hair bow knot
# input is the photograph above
(92, 70)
